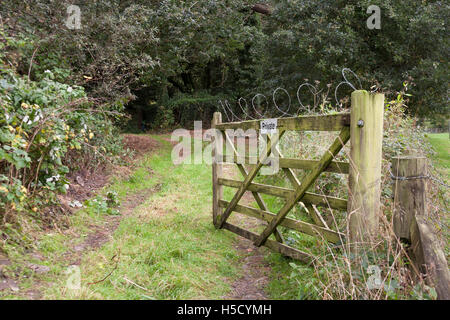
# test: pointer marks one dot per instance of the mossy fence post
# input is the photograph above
(409, 192)
(217, 167)
(366, 137)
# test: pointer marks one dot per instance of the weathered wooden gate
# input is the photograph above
(363, 127)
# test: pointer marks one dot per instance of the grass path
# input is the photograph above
(162, 246)
(166, 247)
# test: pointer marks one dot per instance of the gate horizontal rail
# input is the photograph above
(271, 244)
(312, 198)
(304, 227)
(334, 166)
(333, 122)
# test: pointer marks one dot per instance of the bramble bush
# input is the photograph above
(47, 129)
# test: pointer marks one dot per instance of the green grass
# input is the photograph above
(167, 248)
(441, 144)
(441, 161)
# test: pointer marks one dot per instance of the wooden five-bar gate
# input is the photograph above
(362, 127)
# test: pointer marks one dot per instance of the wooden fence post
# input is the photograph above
(366, 136)
(217, 152)
(409, 192)
(410, 222)
(429, 257)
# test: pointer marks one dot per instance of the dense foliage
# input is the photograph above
(175, 59)
(316, 39)
(47, 128)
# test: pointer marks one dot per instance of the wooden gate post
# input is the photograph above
(366, 136)
(217, 152)
(409, 192)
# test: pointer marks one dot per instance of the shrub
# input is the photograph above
(103, 205)
(48, 128)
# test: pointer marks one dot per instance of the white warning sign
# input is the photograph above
(268, 126)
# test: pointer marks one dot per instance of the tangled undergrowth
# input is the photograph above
(48, 129)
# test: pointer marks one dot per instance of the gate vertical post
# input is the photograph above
(217, 156)
(366, 137)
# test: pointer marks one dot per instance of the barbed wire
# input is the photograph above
(439, 182)
(289, 110)
(429, 176)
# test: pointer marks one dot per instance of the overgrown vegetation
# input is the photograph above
(48, 129)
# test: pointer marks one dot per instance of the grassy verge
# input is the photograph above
(166, 248)
(441, 161)
(441, 144)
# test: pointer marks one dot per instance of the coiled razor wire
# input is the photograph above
(289, 111)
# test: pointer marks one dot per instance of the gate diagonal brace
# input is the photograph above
(289, 172)
(255, 194)
(326, 159)
(249, 178)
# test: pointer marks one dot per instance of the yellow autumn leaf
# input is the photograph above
(3, 189)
